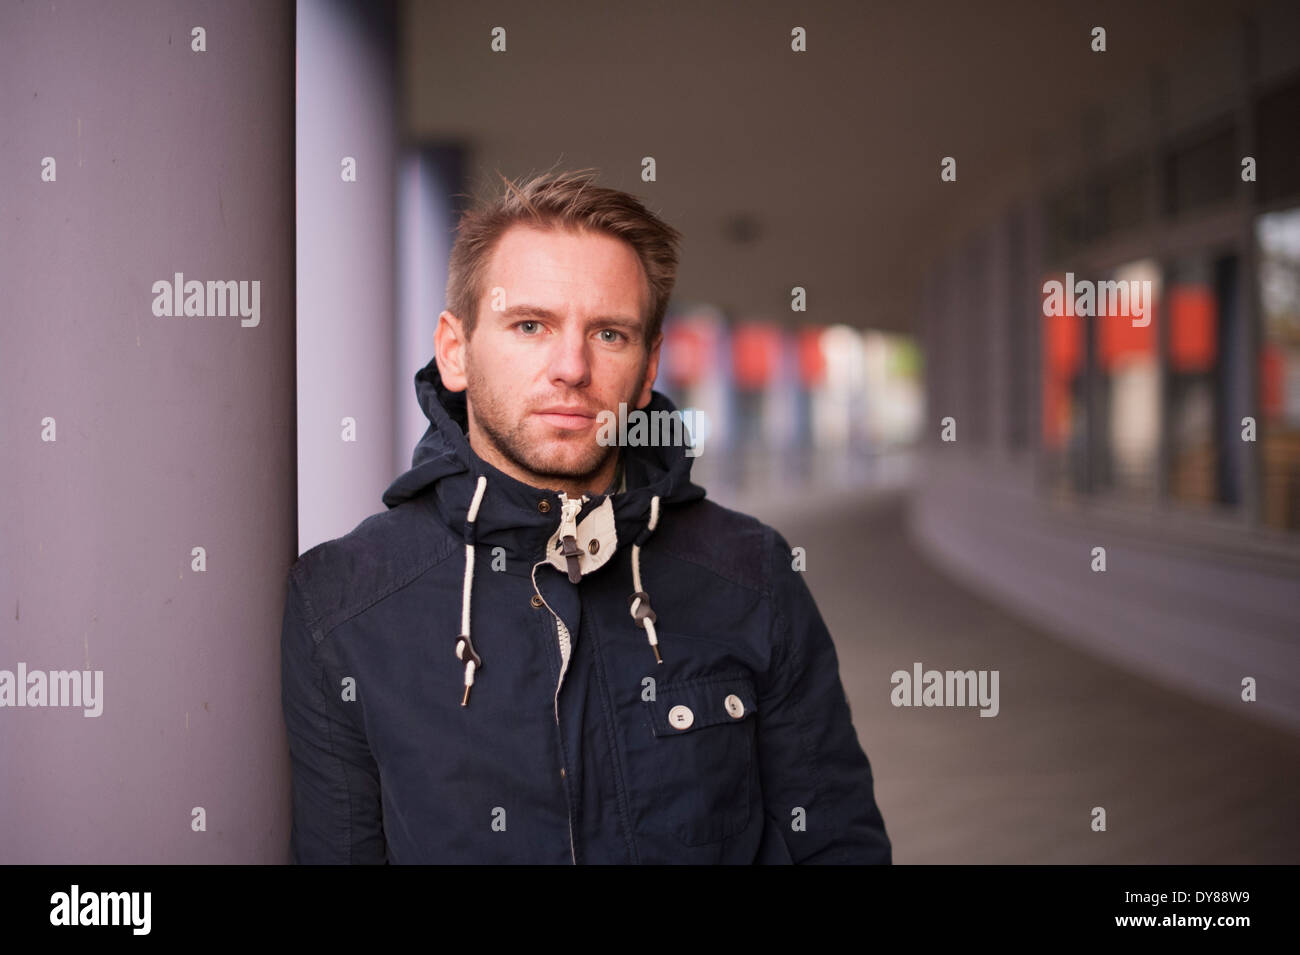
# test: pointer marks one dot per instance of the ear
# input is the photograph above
(651, 371)
(450, 351)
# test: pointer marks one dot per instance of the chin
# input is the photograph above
(567, 465)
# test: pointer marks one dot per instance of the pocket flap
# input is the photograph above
(688, 705)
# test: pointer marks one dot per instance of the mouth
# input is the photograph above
(569, 419)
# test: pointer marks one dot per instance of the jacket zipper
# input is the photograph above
(562, 635)
(568, 534)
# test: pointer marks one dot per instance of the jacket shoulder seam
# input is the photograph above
(322, 626)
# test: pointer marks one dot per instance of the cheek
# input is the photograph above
(515, 365)
(505, 388)
(641, 386)
(622, 376)
(496, 370)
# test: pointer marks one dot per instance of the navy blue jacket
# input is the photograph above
(573, 743)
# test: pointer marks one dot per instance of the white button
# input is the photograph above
(734, 706)
(680, 717)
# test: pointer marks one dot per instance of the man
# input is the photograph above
(550, 649)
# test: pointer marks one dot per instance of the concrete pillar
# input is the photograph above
(346, 164)
(147, 520)
(429, 180)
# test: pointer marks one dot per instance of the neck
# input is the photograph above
(599, 482)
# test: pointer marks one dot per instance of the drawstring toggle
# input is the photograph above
(465, 648)
(639, 603)
(644, 616)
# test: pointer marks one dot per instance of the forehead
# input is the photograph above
(565, 269)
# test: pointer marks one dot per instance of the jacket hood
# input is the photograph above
(445, 464)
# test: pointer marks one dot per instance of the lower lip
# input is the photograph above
(574, 422)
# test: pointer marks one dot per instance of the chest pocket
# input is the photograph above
(702, 754)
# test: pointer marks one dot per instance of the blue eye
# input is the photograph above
(615, 332)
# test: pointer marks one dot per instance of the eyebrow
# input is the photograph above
(536, 311)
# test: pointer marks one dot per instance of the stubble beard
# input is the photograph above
(510, 440)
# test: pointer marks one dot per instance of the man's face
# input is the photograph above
(559, 338)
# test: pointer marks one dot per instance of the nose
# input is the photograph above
(570, 361)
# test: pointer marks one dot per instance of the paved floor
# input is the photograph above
(1181, 781)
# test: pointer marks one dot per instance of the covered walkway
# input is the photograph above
(1181, 781)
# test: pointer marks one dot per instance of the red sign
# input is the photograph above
(754, 351)
(812, 360)
(1193, 344)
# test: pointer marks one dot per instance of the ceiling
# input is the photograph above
(818, 169)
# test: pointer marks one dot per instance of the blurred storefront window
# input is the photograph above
(1278, 235)
(1064, 410)
(1202, 329)
(1129, 381)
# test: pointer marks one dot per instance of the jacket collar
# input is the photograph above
(517, 516)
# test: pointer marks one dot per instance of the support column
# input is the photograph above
(347, 183)
(146, 429)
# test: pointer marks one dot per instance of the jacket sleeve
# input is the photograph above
(809, 755)
(337, 813)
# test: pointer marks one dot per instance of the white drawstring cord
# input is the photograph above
(640, 610)
(640, 600)
(463, 644)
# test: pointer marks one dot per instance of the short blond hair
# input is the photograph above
(564, 200)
